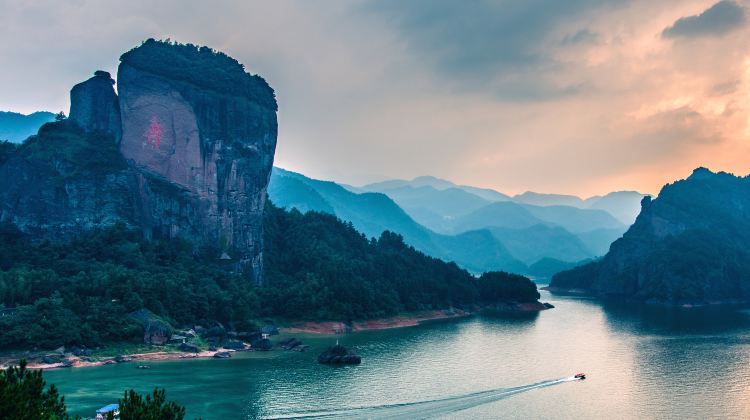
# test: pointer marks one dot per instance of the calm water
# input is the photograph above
(641, 363)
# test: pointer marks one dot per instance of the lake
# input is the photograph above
(641, 362)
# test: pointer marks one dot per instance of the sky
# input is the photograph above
(577, 96)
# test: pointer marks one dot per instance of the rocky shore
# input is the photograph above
(68, 360)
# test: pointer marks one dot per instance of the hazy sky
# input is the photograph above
(574, 96)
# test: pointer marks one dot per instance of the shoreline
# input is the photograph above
(71, 361)
(397, 321)
(323, 328)
(411, 319)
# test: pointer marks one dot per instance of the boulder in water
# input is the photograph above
(339, 355)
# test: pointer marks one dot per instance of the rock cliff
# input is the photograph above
(208, 128)
(94, 105)
(185, 150)
(689, 245)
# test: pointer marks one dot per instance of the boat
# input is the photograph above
(580, 376)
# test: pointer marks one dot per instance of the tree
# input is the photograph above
(153, 407)
(23, 397)
(60, 116)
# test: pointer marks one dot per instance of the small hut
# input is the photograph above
(102, 413)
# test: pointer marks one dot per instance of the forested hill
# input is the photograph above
(689, 245)
(317, 268)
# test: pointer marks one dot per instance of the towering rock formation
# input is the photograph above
(94, 105)
(689, 245)
(195, 118)
(185, 151)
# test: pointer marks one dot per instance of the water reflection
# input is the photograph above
(637, 318)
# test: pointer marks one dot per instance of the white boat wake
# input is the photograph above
(425, 409)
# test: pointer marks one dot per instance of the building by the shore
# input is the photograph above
(103, 413)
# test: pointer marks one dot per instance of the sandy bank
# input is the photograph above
(406, 320)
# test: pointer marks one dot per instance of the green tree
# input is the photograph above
(23, 396)
(153, 407)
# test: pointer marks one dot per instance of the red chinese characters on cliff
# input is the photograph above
(154, 133)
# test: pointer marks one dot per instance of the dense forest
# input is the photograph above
(317, 267)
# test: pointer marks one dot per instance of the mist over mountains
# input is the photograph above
(479, 229)
(622, 205)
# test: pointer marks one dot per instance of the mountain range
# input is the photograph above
(420, 196)
(15, 127)
(479, 229)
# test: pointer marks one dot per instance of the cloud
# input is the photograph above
(489, 45)
(583, 36)
(721, 18)
(577, 96)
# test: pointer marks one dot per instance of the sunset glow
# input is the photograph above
(583, 97)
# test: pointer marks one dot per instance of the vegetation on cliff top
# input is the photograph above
(316, 268)
(65, 141)
(200, 66)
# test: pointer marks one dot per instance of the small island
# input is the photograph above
(339, 355)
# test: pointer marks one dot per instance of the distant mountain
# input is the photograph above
(689, 245)
(598, 240)
(538, 242)
(547, 267)
(373, 213)
(503, 214)
(427, 208)
(420, 181)
(624, 205)
(16, 127)
(442, 219)
(435, 208)
(540, 199)
(487, 194)
(518, 216)
(574, 219)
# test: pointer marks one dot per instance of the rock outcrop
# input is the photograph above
(155, 330)
(185, 151)
(94, 105)
(689, 245)
(339, 355)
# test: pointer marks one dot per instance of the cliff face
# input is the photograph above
(216, 142)
(94, 105)
(186, 156)
(688, 245)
